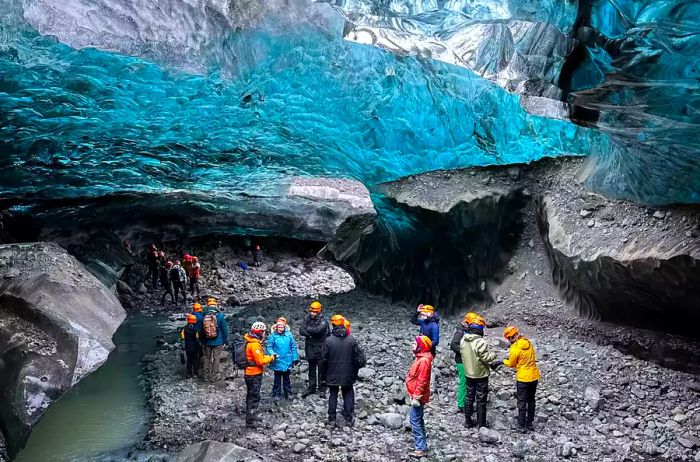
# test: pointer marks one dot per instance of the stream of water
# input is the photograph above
(104, 412)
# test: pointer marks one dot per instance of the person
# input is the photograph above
(418, 388)
(257, 256)
(198, 312)
(215, 334)
(455, 347)
(152, 263)
(523, 359)
(187, 263)
(315, 330)
(162, 259)
(195, 273)
(165, 281)
(253, 375)
(428, 320)
(477, 359)
(189, 335)
(281, 343)
(341, 359)
(178, 278)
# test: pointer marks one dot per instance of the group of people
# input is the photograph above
(335, 357)
(474, 361)
(174, 277)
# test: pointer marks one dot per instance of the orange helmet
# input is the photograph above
(510, 332)
(423, 343)
(187, 257)
(315, 307)
(346, 324)
(471, 317)
(197, 307)
(427, 309)
(191, 319)
(476, 319)
(211, 302)
(281, 319)
(338, 320)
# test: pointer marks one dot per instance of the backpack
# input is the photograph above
(240, 358)
(210, 326)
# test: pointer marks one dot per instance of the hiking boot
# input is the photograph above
(308, 392)
(417, 454)
(468, 422)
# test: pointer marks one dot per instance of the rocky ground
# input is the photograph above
(595, 403)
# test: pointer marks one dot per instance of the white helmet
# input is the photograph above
(259, 326)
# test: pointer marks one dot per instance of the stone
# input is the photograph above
(366, 373)
(58, 319)
(592, 397)
(568, 449)
(488, 436)
(214, 451)
(142, 289)
(685, 442)
(659, 215)
(631, 422)
(299, 447)
(123, 288)
(391, 420)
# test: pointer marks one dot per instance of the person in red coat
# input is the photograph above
(418, 388)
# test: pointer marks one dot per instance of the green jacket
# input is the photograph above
(476, 356)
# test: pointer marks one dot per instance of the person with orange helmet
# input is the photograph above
(198, 312)
(477, 359)
(341, 359)
(195, 273)
(429, 324)
(189, 337)
(455, 346)
(523, 359)
(418, 388)
(257, 360)
(314, 328)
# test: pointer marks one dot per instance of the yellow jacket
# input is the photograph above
(522, 358)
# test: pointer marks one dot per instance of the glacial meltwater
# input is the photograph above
(104, 412)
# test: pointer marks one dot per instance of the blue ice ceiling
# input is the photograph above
(98, 96)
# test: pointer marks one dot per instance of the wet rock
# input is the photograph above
(592, 397)
(214, 451)
(56, 326)
(486, 435)
(391, 420)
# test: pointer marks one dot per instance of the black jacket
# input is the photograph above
(315, 331)
(455, 344)
(341, 358)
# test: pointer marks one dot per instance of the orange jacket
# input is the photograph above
(418, 378)
(255, 355)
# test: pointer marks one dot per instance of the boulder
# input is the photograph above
(56, 326)
(391, 420)
(623, 265)
(214, 451)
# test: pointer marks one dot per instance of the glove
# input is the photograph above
(415, 402)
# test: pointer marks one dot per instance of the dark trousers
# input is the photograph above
(348, 402)
(525, 392)
(194, 286)
(252, 397)
(179, 288)
(477, 389)
(282, 380)
(315, 376)
(168, 290)
(153, 275)
(192, 362)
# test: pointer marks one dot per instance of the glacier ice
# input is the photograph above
(229, 96)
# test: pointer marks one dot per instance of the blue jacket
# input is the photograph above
(221, 330)
(285, 347)
(430, 328)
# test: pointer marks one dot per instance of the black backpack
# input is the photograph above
(240, 358)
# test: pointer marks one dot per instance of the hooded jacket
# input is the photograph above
(476, 355)
(523, 359)
(221, 329)
(418, 377)
(341, 358)
(284, 346)
(429, 327)
(315, 331)
(255, 355)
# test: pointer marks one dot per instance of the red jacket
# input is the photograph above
(418, 378)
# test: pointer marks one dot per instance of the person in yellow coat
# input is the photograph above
(523, 359)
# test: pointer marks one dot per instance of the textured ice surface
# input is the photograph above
(100, 96)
